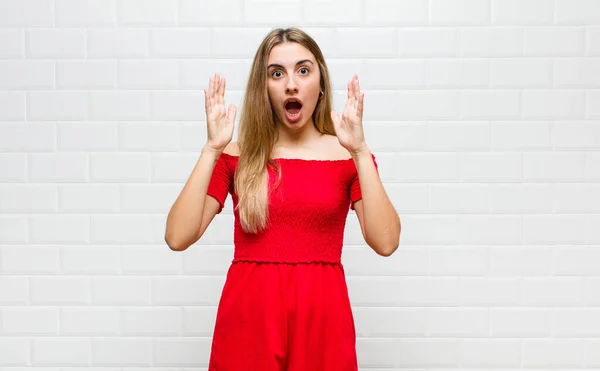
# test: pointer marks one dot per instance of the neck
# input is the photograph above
(297, 138)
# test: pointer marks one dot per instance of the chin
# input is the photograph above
(294, 125)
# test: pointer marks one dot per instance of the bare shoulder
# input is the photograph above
(232, 149)
(336, 150)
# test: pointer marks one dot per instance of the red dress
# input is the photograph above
(285, 303)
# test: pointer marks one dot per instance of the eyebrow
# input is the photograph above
(297, 63)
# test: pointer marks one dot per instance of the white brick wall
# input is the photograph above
(484, 117)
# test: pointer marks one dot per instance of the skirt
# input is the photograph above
(283, 316)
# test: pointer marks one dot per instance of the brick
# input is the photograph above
(29, 259)
(577, 73)
(24, 321)
(147, 12)
(57, 105)
(184, 42)
(491, 42)
(428, 42)
(577, 12)
(58, 290)
(26, 74)
(260, 12)
(58, 167)
(118, 105)
(59, 229)
(28, 198)
(553, 104)
(552, 353)
(217, 13)
(12, 106)
(86, 13)
(553, 41)
(12, 42)
(90, 321)
(88, 136)
(87, 75)
(148, 74)
(160, 321)
(55, 43)
(30, 137)
(513, 321)
(89, 260)
(397, 12)
(459, 12)
(14, 229)
(122, 42)
(61, 351)
(522, 12)
(324, 12)
(15, 351)
(27, 13)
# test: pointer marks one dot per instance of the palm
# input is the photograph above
(348, 128)
(219, 124)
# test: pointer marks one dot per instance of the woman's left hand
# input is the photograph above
(349, 128)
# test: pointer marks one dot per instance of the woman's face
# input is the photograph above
(293, 84)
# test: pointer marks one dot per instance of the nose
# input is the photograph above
(291, 86)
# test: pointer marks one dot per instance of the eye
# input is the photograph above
(304, 69)
(274, 72)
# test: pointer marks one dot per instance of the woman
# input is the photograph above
(296, 170)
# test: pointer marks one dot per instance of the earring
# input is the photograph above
(321, 94)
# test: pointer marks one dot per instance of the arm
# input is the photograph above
(379, 221)
(193, 210)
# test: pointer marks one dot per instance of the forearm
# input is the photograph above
(185, 217)
(380, 218)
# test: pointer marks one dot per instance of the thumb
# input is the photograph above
(336, 119)
(231, 112)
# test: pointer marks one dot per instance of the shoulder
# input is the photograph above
(335, 150)
(232, 149)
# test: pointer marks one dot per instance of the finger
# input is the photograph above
(356, 87)
(361, 103)
(336, 120)
(349, 90)
(221, 89)
(215, 85)
(231, 113)
(210, 86)
(352, 87)
(206, 103)
(349, 107)
(218, 91)
(222, 92)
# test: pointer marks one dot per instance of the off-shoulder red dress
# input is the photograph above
(285, 303)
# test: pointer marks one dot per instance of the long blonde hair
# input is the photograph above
(258, 133)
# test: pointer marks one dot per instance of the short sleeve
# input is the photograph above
(355, 193)
(220, 181)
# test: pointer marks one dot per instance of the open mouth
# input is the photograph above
(293, 109)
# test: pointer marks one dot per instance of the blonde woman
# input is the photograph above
(296, 170)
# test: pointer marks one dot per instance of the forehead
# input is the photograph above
(289, 53)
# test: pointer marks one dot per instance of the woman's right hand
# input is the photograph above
(219, 125)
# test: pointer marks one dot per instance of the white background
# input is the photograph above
(484, 117)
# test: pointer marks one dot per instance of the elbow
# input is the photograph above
(389, 246)
(385, 248)
(174, 244)
(388, 249)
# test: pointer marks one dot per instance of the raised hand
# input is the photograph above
(348, 128)
(219, 125)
